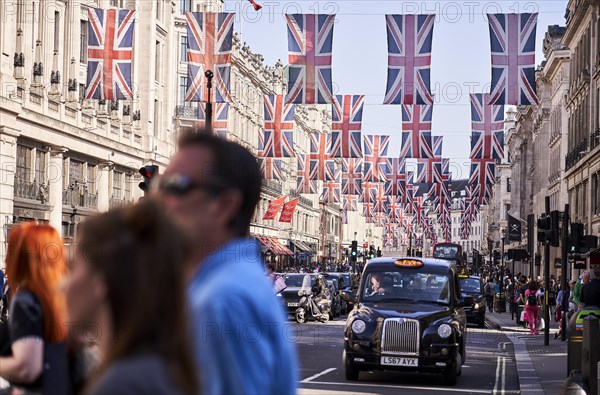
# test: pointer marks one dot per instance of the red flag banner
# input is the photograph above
(288, 211)
(274, 207)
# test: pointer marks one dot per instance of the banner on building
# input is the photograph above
(514, 229)
(287, 213)
(273, 209)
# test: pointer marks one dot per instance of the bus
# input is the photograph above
(450, 252)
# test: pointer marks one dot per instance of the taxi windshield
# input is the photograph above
(406, 284)
(295, 280)
(470, 286)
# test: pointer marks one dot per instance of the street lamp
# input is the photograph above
(501, 296)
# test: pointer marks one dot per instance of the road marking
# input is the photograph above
(500, 384)
(436, 389)
(306, 380)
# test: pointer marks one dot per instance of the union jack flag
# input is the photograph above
(350, 202)
(352, 176)
(368, 212)
(394, 208)
(379, 198)
(271, 168)
(483, 173)
(110, 50)
(407, 198)
(512, 39)
(380, 219)
(369, 189)
(374, 168)
(396, 177)
(219, 121)
(310, 42)
(279, 127)
(332, 189)
(430, 169)
(303, 182)
(332, 172)
(346, 121)
(391, 235)
(209, 42)
(319, 156)
(416, 131)
(409, 40)
(487, 125)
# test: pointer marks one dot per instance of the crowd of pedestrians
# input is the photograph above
(526, 297)
(167, 296)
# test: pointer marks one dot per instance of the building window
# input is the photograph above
(183, 49)
(83, 44)
(128, 181)
(117, 3)
(156, 118)
(157, 61)
(507, 208)
(75, 173)
(584, 211)
(56, 31)
(595, 194)
(182, 90)
(116, 187)
(508, 185)
(23, 163)
(40, 167)
(91, 178)
(185, 6)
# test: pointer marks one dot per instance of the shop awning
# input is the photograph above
(274, 245)
(302, 246)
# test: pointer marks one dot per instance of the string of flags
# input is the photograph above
(353, 167)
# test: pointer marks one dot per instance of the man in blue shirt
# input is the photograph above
(242, 343)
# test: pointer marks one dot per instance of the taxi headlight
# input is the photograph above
(444, 331)
(476, 306)
(358, 326)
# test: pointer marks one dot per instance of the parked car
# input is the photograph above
(290, 297)
(409, 317)
(475, 311)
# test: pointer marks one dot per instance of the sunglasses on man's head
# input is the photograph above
(180, 185)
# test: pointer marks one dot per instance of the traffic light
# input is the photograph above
(149, 172)
(379, 253)
(371, 252)
(576, 239)
(553, 236)
(544, 224)
(354, 250)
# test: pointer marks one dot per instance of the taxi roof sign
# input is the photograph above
(408, 263)
(463, 276)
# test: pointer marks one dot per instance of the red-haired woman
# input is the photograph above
(35, 264)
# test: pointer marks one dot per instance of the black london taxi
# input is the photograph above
(409, 317)
(475, 306)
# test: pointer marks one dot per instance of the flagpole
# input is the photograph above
(209, 76)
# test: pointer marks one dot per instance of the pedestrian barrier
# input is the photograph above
(576, 337)
(500, 303)
(591, 352)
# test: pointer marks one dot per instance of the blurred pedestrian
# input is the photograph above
(128, 282)
(35, 264)
(585, 277)
(590, 293)
(211, 188)
(532, 306)
(488, 292)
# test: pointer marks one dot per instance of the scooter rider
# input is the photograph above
(320, 291)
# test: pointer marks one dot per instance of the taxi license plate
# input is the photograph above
(400, 361)
(293, 304)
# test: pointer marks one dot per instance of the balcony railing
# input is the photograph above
(273, 186)
(301, 199)
(31, 190)
(576, 154)
(187, 112)
(114, 202)
(78, 196)
(595, 139)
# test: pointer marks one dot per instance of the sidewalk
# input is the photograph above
(541, 369)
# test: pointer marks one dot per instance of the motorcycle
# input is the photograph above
(309, 307)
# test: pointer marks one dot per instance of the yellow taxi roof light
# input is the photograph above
(408, 263)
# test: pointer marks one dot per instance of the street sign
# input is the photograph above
(557, 263)
(366, 244)
(579, 263)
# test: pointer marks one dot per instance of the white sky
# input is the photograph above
(460, 55)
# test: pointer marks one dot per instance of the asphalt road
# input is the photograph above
(489, 367)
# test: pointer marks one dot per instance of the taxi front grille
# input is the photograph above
(400, 336)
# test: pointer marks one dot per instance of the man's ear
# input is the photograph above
(229, 204)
